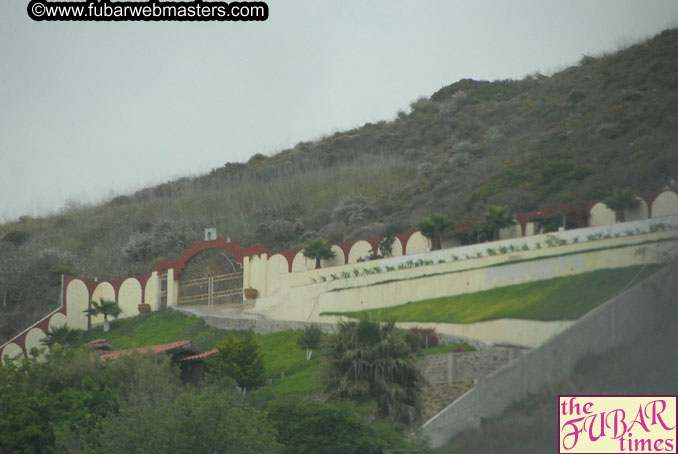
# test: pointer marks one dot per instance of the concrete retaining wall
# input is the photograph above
(308, 302)
(261, 326)
(617, 322)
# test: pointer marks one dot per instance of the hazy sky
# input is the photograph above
(90, 110)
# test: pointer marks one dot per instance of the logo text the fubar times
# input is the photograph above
(617, 424)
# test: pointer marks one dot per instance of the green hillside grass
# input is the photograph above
(284, 361)
(562, 298)
(158, 327)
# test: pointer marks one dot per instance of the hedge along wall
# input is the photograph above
(619, 321)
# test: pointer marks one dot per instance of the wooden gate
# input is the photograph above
(222, 289)
(211, 277)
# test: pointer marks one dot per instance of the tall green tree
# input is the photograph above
(239, 359)
(318, 249)
(183, 421)
(64, 390)
(432, 227)
(388, 237)
(621, 200)
(369, 360)
(496, 218)
(104, 307)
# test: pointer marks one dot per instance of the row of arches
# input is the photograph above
(664, 204)
(597, 214)
(32, 337)
(347, 252)
(77, 296)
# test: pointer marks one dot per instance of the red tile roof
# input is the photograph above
(97, 341)
(153, 349)
(202, 355)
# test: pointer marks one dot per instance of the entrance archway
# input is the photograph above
(213, 276)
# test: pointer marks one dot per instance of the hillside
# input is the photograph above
(609, 121)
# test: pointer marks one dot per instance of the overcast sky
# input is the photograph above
(91, 110)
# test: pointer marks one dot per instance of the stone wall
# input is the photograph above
(454, 367)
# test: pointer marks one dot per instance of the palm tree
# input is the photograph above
(63, 335)
(310, 339)
(369, 360)
(619, 201)
(105, 308)
(432, 227)
(318, 249)
(496, 218)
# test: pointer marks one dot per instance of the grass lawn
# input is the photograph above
(286, 363)
(158, 327)
(562, 298)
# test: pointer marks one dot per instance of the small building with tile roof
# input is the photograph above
(189, 358)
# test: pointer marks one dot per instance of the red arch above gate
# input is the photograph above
(232, 247)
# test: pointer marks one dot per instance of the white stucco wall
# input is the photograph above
(359, 249)
(57, 320)
(665, 204)
(512, 231)
(306, 302)
(129, 297)
(277, 266)
(337, 260)
(301, 263)
(396, 248)
(600, 214)
(33, 339)
(11, 350)
(529, 228)
(527, 333)
(255, 272)
(151, 291)
(537, 245)
(417, 243)
(77, 301)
